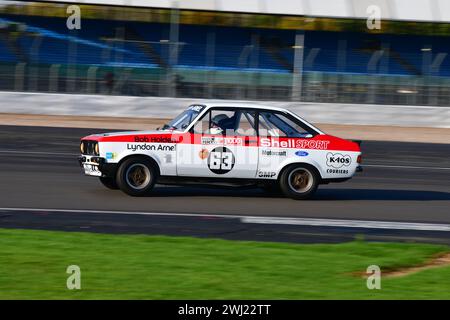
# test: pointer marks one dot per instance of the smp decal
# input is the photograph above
(337, 160)
(266, 174)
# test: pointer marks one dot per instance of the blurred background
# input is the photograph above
(312, 51)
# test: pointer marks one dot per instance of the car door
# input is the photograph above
(199, 156)
(217, 148)
(241, 144)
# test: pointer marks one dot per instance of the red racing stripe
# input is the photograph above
(319, 142)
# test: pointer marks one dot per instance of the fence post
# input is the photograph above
(371, 69)
(19, 77)
(210, 56)
(54, 78)
(33, 79)
(254, 63)
(299, 49)
(341, 67)
(72, 60)
(242, 63)
(173, 50)
(92, 79)
(435, 67)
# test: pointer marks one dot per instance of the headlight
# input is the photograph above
(96, 149)
(82, 147)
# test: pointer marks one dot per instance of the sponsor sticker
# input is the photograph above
(222, 140)
(282, 153)
(211, 140)
(196, 108)
(150, 139)
(266, 174)
(337, 171)
(110, 155)
(168, 158)
(149, 147)
(338, 160)
(203, 154)
(301, 153)
(295, 143)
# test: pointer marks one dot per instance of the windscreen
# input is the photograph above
(183, 120)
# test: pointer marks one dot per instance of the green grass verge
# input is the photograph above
(33, 266)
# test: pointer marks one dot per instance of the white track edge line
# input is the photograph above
(367, 224)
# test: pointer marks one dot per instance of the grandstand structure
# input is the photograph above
(190, 52)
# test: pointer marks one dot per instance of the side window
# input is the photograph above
(223, 121)
(267, 128)
(202, 125)
(217, 122)
(277, 124)
(246, 125)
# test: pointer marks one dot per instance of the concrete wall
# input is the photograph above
(154, 107)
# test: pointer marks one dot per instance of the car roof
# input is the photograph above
(249, 105)
(245, 105)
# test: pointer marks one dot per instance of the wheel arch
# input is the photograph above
(304, 164)
(144, 156)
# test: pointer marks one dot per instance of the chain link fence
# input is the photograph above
(240, 85)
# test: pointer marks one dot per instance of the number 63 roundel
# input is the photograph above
(221, 160)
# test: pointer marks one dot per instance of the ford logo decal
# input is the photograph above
(301, 153)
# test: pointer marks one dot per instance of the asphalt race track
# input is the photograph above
(401, 182)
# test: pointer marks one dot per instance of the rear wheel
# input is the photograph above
(299, 181)
(136, 176)
(109, 182)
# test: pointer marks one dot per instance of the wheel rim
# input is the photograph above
(138, 176)
(300, 180)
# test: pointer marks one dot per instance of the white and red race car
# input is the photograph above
(223, 144)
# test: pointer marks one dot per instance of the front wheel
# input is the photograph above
(136, 176)
(299, 182)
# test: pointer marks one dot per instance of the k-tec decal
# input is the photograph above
(337, 160)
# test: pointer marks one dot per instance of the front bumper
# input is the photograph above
(90, 160)
(96, 166)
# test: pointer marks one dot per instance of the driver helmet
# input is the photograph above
(216, 128)
(219, 118)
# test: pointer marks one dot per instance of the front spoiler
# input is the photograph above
(107, 169)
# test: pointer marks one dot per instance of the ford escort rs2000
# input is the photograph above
(223, 144)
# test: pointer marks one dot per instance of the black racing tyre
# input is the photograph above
(299, 182)
(136, 176)
(109, 182)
